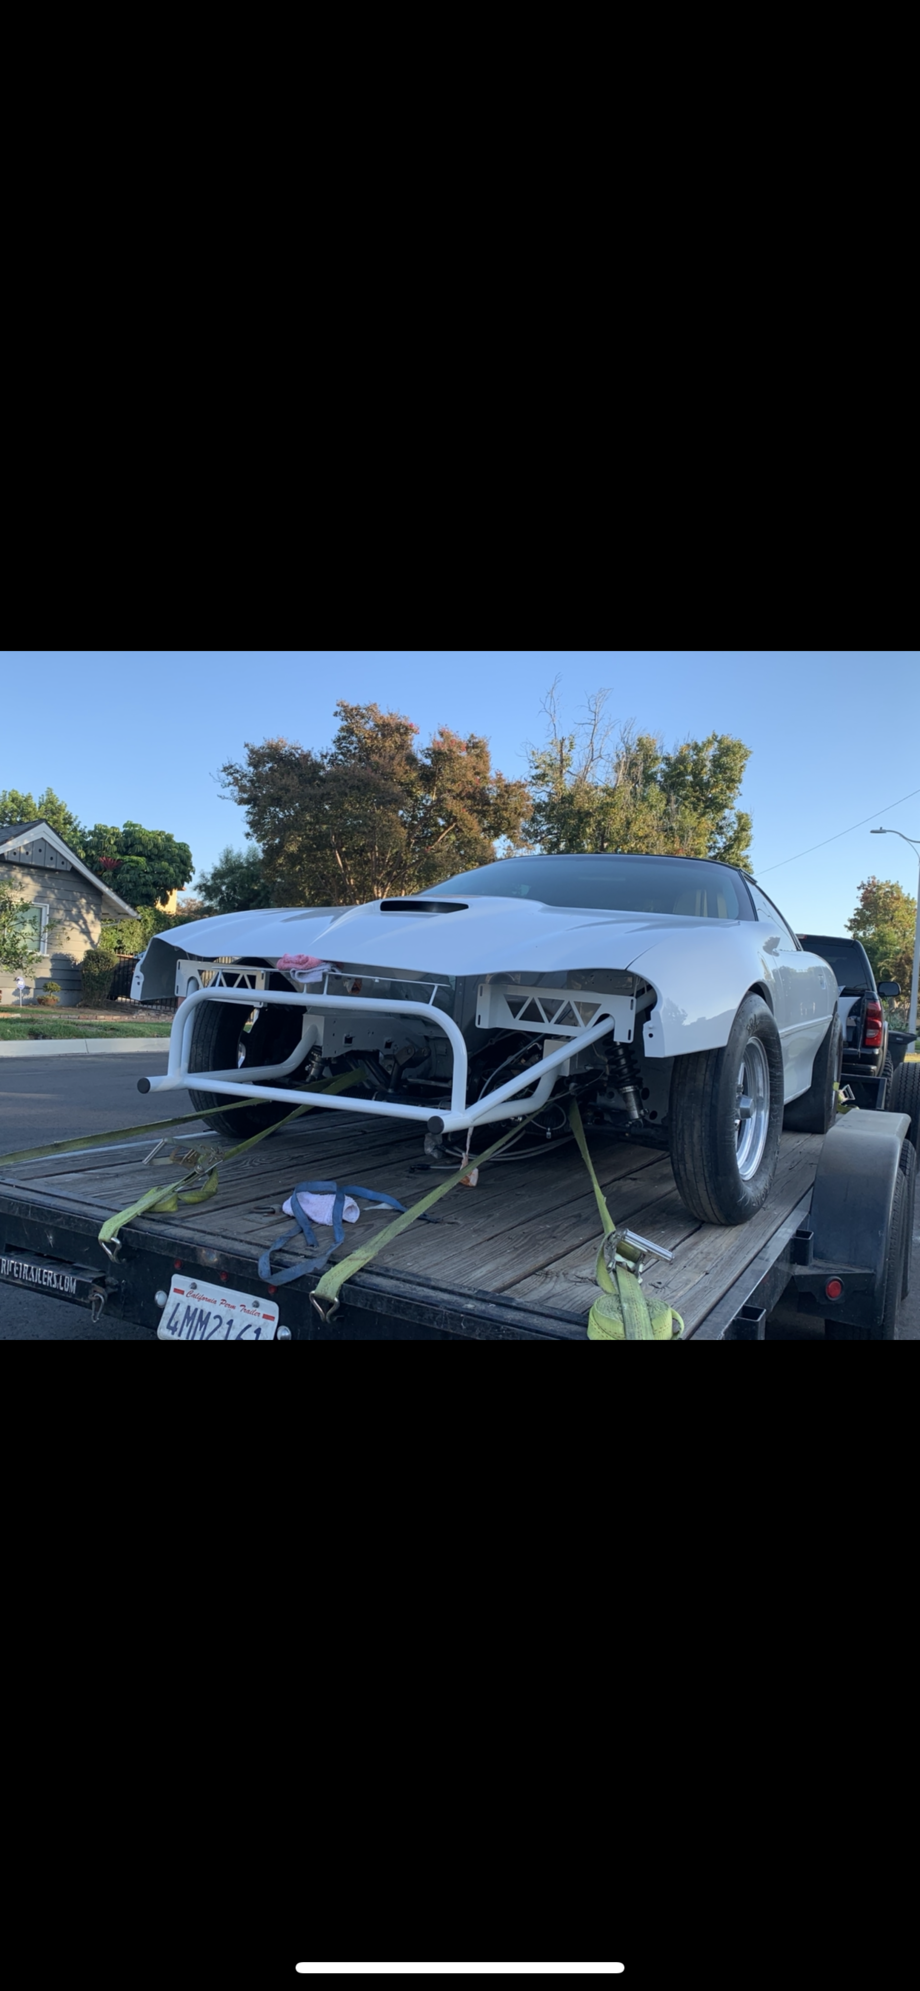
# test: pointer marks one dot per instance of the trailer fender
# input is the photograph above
(850, 1219)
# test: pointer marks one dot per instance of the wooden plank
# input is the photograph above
(510, 1194)
(276, 1152)
(120, 1182)
(503, 1193)
(530, 1230)
(708, 1256)
(569, 1281)
(719, 1253)
(496, 1263)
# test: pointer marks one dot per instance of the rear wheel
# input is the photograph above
(904, 1097)
(221, 1042)
(814, 1112)
(726, 1115)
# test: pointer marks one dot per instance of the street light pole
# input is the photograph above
(915, 971)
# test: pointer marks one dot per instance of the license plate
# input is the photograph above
(198, 1312)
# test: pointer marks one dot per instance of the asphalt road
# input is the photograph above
(53, 1099)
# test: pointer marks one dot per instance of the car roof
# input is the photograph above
(618, 856)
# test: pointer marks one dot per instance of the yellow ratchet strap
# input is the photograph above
(621, 1311)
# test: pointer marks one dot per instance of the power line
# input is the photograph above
(840, 833)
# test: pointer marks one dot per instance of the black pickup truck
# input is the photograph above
(865, 1028)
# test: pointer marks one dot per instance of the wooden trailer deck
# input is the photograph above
(513, 1257)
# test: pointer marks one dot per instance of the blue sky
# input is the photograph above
(834, 735)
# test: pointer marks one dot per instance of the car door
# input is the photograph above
(803, 993)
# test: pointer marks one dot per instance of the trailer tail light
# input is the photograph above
(834, 1289)
(873, 1036)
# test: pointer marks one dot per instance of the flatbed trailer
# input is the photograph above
(510, 1259)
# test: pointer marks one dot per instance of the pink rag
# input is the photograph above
(299, 961)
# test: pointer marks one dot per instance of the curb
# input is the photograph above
(62, 1045)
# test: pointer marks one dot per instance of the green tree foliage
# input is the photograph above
(19, 807)
(141, 865)
(884, 920)
(374, 814)
(602, 788)
(96, 970)
(235, 884)
(16, 952)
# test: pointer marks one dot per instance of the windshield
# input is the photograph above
(677, 885)
(846, 959)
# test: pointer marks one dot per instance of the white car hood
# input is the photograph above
(491, 936)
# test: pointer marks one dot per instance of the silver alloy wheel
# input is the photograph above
(752, 1112)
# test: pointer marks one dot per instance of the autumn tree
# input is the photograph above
(375, 814)
(606, 787)
(885, 921)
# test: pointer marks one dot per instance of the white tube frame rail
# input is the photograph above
(493, 1107)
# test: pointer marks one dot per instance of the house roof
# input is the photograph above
(17, 833)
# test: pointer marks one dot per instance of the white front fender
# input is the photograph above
(700, 981)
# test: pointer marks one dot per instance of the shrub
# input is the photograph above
(97, 969)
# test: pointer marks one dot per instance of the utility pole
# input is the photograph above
(915, 971)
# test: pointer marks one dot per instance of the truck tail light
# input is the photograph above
(873, 1035)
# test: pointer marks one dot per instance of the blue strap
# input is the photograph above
(319, 1263)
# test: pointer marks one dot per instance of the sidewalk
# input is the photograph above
(32, 1047)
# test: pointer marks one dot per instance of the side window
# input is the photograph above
(32, 924)
(766, 911)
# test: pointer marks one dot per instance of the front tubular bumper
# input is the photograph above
(497, 1105)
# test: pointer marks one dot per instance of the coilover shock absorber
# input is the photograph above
(624, 1072)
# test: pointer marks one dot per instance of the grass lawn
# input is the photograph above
(16, 1027)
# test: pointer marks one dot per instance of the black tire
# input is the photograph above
(217, 1038)
(907, 1162)
(815, 1111)
(904, 1097)
(704, 1127)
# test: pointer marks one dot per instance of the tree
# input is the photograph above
(16, 952)
(885, 921)
(17, 807)
(141, 865)
(606, 788)
(374, 814)
(235, 884)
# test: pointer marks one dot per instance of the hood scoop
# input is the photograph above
(422, 906)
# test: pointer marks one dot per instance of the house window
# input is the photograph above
(33, 922)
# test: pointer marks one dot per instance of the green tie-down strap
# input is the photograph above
(165, 1197)
(621, 1311)
(325, 1296)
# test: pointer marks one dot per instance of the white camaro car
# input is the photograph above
(667, 994)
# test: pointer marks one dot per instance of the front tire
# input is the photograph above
(725, 1118)
(219, 1039)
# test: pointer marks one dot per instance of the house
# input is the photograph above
(68, 904)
